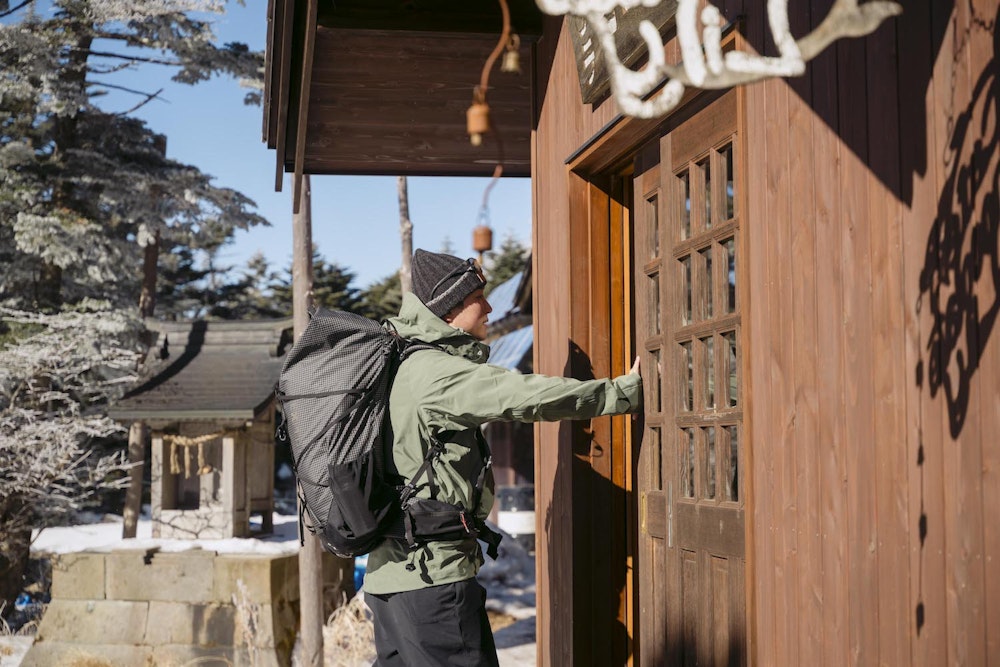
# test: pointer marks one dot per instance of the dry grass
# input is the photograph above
(499, 620)
(349, 635)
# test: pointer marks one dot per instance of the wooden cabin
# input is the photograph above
(810, 271)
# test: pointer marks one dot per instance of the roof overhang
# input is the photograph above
(382, 87)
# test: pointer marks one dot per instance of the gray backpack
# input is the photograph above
(333, 394)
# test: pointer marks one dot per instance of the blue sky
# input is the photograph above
(355, 218)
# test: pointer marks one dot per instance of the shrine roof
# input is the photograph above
(208, 371)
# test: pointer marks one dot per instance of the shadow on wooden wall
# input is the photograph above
(963, 258)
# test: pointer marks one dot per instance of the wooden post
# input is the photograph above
(311, 553)
(162, 488)
(406, 236)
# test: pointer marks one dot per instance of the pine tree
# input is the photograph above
(179, 284)
(506, 263)
(382, 299)
(249, 297)
(332, 287)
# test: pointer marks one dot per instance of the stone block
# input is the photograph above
(202, 625)
(284, 621)
(78, 576)
(65, 654)
(261, 574)
(185, 576)
(103, 621)
(183, 656)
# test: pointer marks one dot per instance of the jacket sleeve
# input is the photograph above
(467, 395)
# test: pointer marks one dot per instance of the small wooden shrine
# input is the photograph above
(208, 401)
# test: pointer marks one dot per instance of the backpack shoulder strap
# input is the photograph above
(412, 345)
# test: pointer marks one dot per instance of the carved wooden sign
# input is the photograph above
(595, 80)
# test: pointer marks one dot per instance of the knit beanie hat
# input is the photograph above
(442, 281)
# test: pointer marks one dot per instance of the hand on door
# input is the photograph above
(635, 371)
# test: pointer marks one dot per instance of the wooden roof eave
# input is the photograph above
(278, 78)
(293, 47)
(309, 47)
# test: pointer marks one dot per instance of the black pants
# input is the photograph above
(430, 627)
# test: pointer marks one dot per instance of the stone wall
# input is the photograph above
(147, 607)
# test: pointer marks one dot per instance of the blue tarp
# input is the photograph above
(510, 349)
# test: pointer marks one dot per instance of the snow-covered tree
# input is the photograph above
(57, 373)
(82, 189)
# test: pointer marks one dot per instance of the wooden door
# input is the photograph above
(691, 588)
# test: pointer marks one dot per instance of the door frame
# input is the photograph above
(594, 171)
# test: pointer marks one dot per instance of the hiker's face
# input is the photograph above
(471, 315)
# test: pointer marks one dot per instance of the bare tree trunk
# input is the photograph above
(311, 553)
(48, 289)
(138, 433)
(406, 236)
(147, 297)
(137, 436)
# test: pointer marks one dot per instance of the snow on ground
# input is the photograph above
(106, 535)
(509, 580)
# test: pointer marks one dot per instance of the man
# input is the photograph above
(428, 608)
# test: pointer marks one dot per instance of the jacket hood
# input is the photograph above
(415, 321)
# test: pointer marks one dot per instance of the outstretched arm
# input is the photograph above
(467, 395)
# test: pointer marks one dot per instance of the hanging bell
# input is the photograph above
(477, 122)
(482, 239)
(511, 58)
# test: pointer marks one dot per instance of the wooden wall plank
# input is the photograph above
(969, 515)
(962, 519)
(804, 457)
(777, 359)
(761, 617)
(926, 616)
(858, 384)
(553, 458)
(940, 456)
(830, 419)
(983, 58)
(890, 375)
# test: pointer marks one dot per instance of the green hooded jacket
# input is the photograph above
(455, 390)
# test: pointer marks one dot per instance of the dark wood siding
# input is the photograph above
(872, 365)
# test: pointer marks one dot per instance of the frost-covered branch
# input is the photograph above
(57, 374)
(699, 37)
